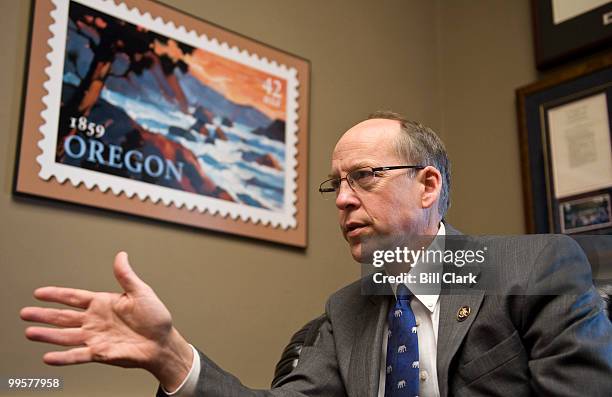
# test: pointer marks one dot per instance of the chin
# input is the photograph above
(360, 254)
(356, 252)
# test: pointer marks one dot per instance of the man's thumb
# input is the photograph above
(124, 274)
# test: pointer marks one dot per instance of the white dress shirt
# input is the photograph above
(188, 387)
(426, 310)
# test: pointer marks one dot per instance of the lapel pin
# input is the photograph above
(463, 313)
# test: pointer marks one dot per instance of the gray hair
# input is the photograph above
(422, 145)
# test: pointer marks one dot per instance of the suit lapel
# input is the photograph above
(365, 353)
(451, 331)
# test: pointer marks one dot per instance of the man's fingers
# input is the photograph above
(78, 355)
(58, 317)
(57, 336)
(124, 274)
(68, 296)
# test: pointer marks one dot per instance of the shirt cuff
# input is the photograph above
(188, 387)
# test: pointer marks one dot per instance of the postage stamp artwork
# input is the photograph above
(143, 107)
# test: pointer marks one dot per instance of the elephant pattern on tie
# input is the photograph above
(402, 378)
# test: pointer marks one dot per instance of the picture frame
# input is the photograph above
(137, 107)
(564, 134)
(564, 30)
(585, 214)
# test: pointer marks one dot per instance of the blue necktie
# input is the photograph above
(402, 348)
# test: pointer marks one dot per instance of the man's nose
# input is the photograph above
(346, 198)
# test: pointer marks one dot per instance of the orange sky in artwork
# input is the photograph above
(239, 83)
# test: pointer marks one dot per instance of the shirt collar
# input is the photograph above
(429, 300)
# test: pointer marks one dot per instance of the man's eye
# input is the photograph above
(335, 183)
(361, 175)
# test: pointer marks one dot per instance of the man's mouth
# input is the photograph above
(354, 229)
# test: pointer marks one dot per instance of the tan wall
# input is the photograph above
(485, 53)
(364, 56)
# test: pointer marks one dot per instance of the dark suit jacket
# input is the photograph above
(520, 339)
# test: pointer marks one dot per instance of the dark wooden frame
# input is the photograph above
(27, 182)
(531, 100)
(578, 36)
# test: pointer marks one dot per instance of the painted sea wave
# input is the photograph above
(226, 162)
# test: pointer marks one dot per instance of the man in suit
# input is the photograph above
(540, 329)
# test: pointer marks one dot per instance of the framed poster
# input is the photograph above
(565, 136)
(565, 29)
(137, 107)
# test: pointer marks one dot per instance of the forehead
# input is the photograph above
(369, 143)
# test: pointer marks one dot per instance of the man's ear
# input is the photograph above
(431, 179)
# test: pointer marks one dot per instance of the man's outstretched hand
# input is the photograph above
(132, 329)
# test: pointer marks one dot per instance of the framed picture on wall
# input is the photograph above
(565, 136)
(137, 107)
(566, 29)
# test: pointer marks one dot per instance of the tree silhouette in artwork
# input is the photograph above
(112, 42)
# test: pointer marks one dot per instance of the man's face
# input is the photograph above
(391, 210)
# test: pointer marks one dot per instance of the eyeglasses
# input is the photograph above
(360, 179)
